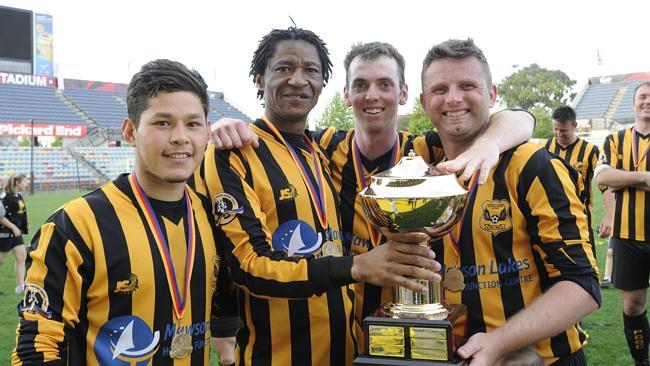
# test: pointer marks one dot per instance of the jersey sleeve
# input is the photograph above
(243, 228)
(549, 194)
(428, 146)
(54, 286)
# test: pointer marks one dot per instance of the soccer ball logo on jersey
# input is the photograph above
(226, 208)
(126, 340)
(495, 216)
(296, 238)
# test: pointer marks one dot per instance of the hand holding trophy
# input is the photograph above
(404, 202)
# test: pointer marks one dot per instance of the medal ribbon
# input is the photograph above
(178, 301)
(635, 149)
(359, 172)
(455, 233)
(317, 199)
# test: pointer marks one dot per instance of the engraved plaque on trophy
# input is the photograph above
(415, 329)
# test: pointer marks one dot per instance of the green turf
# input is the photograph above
(605, 326)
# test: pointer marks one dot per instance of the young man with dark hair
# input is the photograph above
(522, 244)
(127, 273)
(580, 154)
(279, 212)
(624, 168)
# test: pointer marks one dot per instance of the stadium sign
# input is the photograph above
(29, 80)
(50, 130)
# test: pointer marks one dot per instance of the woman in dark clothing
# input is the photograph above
(13, 223)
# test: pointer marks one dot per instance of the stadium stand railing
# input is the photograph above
(54, 167)
(25, 103)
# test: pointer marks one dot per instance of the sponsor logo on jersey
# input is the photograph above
(126, 340)
(226, 208)
(288, 193)
(35, 300)
(495, 216)
(127, 286)
(296, 238)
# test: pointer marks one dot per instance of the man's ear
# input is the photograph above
(403, 94)
(128, 131)
(346, 96)
(259, 81)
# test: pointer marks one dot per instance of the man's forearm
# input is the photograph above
(509, 128)
(617, 178)
(542, 319)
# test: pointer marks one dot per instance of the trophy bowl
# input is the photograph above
(414, 197)
(409, 199)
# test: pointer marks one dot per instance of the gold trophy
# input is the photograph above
(416, 329)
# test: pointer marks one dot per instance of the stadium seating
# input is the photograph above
(598, 98)
(54, 167)
(625, 111)
(24, 103)
(595, 101)
(219, 108)
(110, 161)
(104, 107)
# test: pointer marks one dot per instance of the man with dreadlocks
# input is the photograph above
(278, 211)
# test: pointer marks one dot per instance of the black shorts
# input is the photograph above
(631, 269)
(7, 244)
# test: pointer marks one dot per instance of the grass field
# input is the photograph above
(606, 347)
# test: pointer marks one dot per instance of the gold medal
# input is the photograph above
(331, 249)
(454, 280)
(181, 345)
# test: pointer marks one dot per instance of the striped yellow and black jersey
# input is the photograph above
(583, 157)
(96, 287)
(524, 230)
(294, 300)
(355, 226)
(632, 209)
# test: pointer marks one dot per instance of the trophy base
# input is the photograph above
(374, 361)
(425, 312)
(410, 342)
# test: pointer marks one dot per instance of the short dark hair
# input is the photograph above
(372, 51)
(456, 49)
(163, 76)
(266, 49)
(645, 83)
(564, 114)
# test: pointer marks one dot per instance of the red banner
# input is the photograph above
(25, 129)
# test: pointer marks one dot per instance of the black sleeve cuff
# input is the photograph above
(328, 273)
(524, 110)
(224, 327)
(588, 282)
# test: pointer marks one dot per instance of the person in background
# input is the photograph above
(13, 224)
(625, 168)
(579, 153)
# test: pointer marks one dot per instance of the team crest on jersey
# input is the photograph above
(296, 238)
(288, 193)
(128, 286)
(35, 300)
(226, 208)
(495, 216)
(126, 340)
